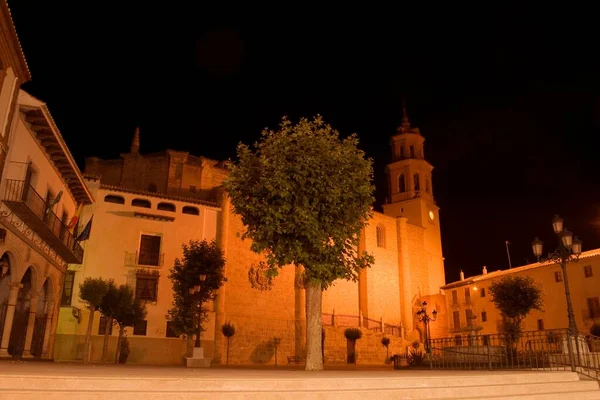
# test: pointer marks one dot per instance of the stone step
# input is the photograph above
(571, 389)
(298, 381)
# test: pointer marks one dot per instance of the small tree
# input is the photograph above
(352, 335)
(199, 258)
(385, 341)
(129, 312)
(228, 331)
(304, 196)
(108, 307)
(91, 292)
(515, 296)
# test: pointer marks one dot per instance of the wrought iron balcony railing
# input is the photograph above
(144, 258)
(22, 199)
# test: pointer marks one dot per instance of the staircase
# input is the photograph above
(232, 384)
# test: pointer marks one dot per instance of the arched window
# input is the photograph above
(427, 187)
(401, 183)
(417, 182)
(190, 210)
(141, 203)
(402, 151)
(380, 236)
(152, 187)
(166, 207)
(412, 151)
(111, 198)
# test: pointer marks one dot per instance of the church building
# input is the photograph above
(147, 205)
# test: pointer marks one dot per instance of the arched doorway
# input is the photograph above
(5, 272)
(41, 319)
(18, 333)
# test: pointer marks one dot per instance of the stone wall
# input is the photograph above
(369, 349)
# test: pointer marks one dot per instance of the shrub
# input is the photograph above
(228, 329)
(385, 341)
(353, 334)
(415, 358)
(416, 344)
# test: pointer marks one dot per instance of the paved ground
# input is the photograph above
(245, 372)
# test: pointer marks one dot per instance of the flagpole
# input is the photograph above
(506, 242)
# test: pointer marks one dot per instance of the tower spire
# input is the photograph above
(405, 127)
(135, 142)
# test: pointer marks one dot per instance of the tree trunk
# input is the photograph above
(314, 327)
(88, 336)
(118, 352)
(109, 321)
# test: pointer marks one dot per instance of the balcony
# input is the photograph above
(22, 199)
(145, 259)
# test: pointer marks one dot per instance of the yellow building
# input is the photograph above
(470, 307)
(148, 205)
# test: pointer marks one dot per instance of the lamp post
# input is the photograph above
(568, 249)
(422, 316)
(195, 291)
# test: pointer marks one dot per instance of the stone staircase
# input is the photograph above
(276, 384)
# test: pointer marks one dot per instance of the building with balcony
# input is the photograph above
(470, 307)
(40, 190)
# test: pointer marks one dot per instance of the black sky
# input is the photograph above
(509, 105)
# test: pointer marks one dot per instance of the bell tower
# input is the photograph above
(410, 195)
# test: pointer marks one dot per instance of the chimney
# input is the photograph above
(462, 275)
(135, 143)
(484, 270)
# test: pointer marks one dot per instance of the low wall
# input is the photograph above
(143, 350)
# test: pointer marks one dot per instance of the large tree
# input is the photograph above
(515, 297)
(304, 194)
(199, 258)
(91, 293)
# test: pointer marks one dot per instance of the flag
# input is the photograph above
(54, 202)
(75, 218)
(85, 234)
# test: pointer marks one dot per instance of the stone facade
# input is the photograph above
(384, 301)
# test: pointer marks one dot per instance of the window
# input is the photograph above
(190, 210)
(141, 203)
(146, 287)
(380, 236)
(402, 153)
(149, 253)
(412, 151)
(152, 187)
(594, 307)
(467, 295)
(166, 207)
(111, 198)
(469, 317)
(454, 297)
(170, 330)
(587, 271)
(486, 340)
(140, 328)
(192, 188)
(456, 319)
(558, 276)
(68, 289)
(483, 316)
(427, 188)
(540, 323)
(482, 292)
(102, 326)
(401, 183)
(417, 183)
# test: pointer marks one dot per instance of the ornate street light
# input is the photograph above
(195, 291)
(568, 249)
(425, 318)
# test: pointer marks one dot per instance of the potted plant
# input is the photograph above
(352, 335)
(386, 342)
(228, 331)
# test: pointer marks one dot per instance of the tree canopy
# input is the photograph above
(199, 258)
(304, 195)
(515, 296)
(92, 291)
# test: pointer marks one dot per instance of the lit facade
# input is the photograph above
(144, 195)
(470, 307)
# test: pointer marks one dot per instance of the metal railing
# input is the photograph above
(17, 191)
(556, 349)
(355, 321)
(144, 258)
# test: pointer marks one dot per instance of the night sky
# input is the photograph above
(509, 106)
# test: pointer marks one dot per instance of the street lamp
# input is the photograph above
(195, 291)
(425, 318)
(569, 249)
